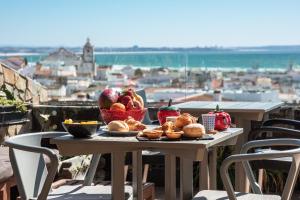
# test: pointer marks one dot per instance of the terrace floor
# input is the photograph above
(159, 194)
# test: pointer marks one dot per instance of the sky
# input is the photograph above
(150, 23)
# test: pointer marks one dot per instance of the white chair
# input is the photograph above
(34, 179)
(245, 157)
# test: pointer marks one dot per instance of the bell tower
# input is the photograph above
(87, 67)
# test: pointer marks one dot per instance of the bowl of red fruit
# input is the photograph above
(167, 111)
(119, 106)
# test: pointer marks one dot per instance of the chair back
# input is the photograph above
(142, 93)
(245, 157)
(26, 154)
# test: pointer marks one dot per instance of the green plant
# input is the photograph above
(11, 101)
(8, 94)
(20, 106)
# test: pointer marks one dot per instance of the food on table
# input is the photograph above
(174, 134)
(135, 125)
(223, 119)
(184, 119)
(185, 125)
(68, 121)
(81, 129)
(118, 107)
(167, 111)
(107, 98)
(168, 126)
(194, 130)
(131, 100)
(152, 134)
(118, 125)
(134, 105)
(89, 122)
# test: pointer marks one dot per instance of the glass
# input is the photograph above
(208, 121)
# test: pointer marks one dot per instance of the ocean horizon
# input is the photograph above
(263, 60)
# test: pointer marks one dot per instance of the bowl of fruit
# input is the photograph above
(83, 129)
(119, 106)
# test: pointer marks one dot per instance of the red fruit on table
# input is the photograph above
(134, 105)
(167, 111)
(130, 105)
(137, 105)
(107, 98)
(128, 92)
(222, 121)
(124, 99)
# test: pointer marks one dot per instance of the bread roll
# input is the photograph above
(194, 130)
(183, 120)
(118, 125)
(168, 126)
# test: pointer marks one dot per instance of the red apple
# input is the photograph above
(107, 98)
(124, 99)
(130, 105)
(128, 92)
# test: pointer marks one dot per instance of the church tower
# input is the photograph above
(87, 68)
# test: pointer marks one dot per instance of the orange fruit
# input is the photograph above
(118, 106)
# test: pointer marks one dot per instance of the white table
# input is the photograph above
(188, 151)
(243, 113)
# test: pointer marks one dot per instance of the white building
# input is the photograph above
(56, 92)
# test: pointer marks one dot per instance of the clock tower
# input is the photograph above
(87, 67)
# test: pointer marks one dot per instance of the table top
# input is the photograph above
(236, 106)
(104, 141)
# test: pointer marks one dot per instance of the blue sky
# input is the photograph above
(158, 23)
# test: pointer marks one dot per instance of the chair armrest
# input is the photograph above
(48, 152)
(279, 121)
(245, 158)
(289, 132)
(268, 143)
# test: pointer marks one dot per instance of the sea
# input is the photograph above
(220, 60)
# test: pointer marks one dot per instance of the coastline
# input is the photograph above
(193, 61)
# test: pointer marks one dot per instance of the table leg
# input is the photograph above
(213, 156)
(186, 179)
(241, 182)
(204, 172)
(89, 177)
(117, 174)
(137, 175)
(170, 177)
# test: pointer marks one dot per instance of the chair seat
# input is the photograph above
(79, 192)
(222, 195)
(6, 171)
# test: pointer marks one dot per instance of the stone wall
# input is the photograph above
(23, 88)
